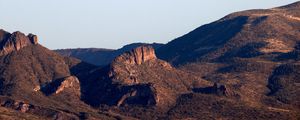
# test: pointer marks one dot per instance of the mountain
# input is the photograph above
(40, 83)
(243, 34)
(15, 41)
(243, 66)
(98, 56)
(254, 54)
(137, 77)
(37, 81)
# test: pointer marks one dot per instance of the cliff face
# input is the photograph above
(64, 85)
(15, 41)
(250, 61)
(137, 56)
(126, 67)
(37, 76)
(140, 67)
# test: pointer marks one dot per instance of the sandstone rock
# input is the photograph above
(69, 82)
(124, 67)
(33, 38)
(15, 41)
(137, 56)
(141, 67)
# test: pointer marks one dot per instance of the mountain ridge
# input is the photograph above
(243, 66)
(99, 56)
(226, 34)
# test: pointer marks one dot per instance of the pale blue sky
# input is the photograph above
(114, 23)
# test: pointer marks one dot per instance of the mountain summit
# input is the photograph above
(242, 34)
(15, 41)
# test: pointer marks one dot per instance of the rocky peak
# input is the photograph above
(124, 69)
(137, 56)
(3, 35)
(151, 81)
(15, 41)
(33, 38)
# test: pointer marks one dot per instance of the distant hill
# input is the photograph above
(98, 56)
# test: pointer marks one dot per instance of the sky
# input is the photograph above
(115, 23)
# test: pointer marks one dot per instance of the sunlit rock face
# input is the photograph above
(140, 67)
(15, 41)
(137, 56)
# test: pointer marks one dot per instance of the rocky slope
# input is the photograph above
(98, 56)
(15, 41)
(138, 78)
(37, 81)
(243, 66)
(245, 34)
(252, 53)
(140, 66)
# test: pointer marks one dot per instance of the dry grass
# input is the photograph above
(275, 45)
(9, 114)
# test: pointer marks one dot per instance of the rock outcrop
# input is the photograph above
(100, 56)
(137, 56)
(27, 68)
(140, 67)
(15, 41)
(125, 67)
(33, 38)
(26, 107)
(70, 83)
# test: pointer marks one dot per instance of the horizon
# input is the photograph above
(113, 24)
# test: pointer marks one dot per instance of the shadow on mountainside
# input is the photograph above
(201, 41)
(98, 89)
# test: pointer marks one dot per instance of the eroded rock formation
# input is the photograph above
(124, 68)
(15, 41)
(137, 56)
(140, 67)
(70, 83)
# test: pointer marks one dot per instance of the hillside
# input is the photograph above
(246, 34)
(38, 81)
(253, 53)
(243, 66)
